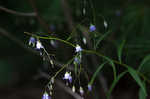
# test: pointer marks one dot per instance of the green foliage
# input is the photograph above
(136, 77)
(115, 82)
(141, 93)
(144, 61)
(101, 38)
(96, 73)
(120, 50)
(113, 66)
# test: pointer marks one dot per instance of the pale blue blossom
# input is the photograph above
(89, 87)
(81, 91)
(92, 28)
(46, 96)
(39, 45)
(32, 41)
(78, 48)
(68, 76)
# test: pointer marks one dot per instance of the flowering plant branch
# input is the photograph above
(134, 73)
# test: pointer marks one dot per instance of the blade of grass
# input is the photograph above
(120, 48)
(112, 64)
(141, 93)
(96, 73)
(147, 58)
(101, 38)
(135, 76)
(115, 82)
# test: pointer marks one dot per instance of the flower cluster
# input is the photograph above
(35, 43)
(67, 75)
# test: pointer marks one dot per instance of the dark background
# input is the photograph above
(21, 66)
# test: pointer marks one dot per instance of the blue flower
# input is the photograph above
(77, 60)
(32, 41)
(68, 77)
(78, 48)
(46, 96)
(81, 91)
(39, 45)
(92, 28)
(89, 87)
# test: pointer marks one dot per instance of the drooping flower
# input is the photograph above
(89, 87)
(105, 24)
(46, 96)
(84, 40)
(67, 76)
(54, 43)
(92, 28)
(39, 45)
(77, 60)
(78, 48)
(32, 41)
(70, 79)
(73, 89)
(81, 91)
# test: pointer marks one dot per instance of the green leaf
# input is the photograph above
(115, 82)
(101, 38)
(135, 76)
(120, 48)
(96, 73)
(112, 64)
(147, 58)
(141, 93)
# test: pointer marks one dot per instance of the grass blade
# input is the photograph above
(135, 76)
(115, 82)
(120, 48)
(96, 73)
(101, 38)
(147, 58)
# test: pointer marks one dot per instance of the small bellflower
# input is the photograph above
(105, 24)
(46, 96)
(81, 91)
(78, 48)
(92, 28)
(68, 76)
(89, 87)
(73, 89)
(84, 40)
(32, 41)
(39, 45)
(77, 60)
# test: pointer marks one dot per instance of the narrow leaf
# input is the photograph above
(120, 48)
(141, 93)
(101, 38)
(96, 73)
(147, 58)
(112, 64)
(115, 82)
(135, 76)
